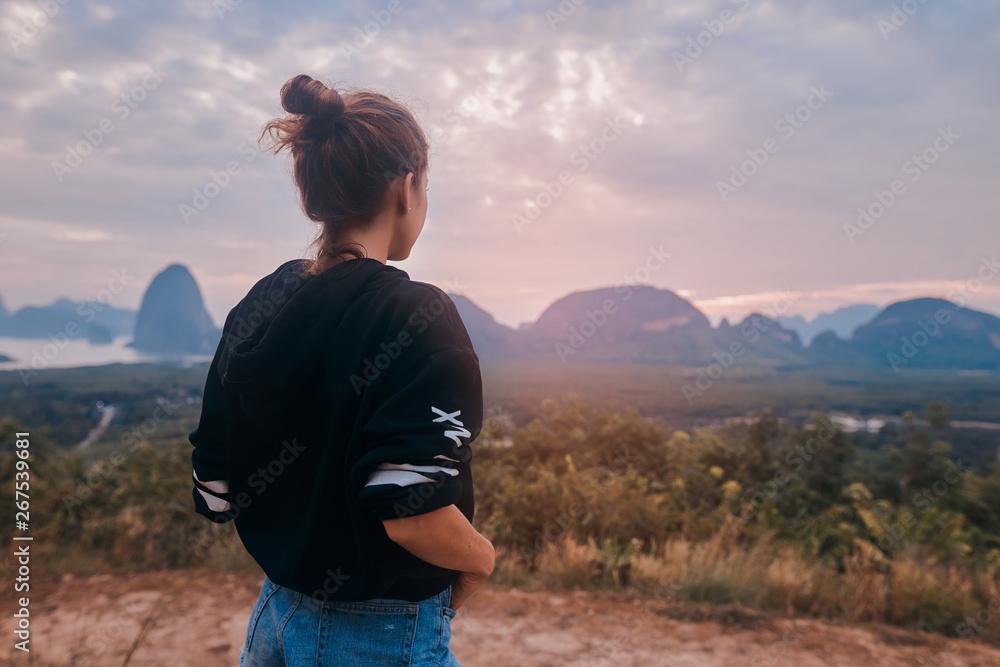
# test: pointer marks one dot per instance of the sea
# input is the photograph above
(41, 353)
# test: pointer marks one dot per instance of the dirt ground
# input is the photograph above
(199, 618)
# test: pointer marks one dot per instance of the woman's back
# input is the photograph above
(340, 407)
(351, 370)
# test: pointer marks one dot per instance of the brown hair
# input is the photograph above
(347, 150)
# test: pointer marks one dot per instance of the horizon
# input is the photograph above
(715, 319)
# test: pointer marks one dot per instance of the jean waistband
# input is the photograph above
(442, 599)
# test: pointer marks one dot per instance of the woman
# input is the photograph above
(340, 406)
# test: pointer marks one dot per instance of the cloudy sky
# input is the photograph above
(717, 149)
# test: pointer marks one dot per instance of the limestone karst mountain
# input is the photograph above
(172, 318)
(930, 333)
(655, 325)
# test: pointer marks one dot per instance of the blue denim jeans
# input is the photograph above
(289, 628)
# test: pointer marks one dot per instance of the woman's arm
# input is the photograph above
(444, 537)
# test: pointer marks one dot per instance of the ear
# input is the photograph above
(406, 190)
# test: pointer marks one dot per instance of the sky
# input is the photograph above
(721, 150)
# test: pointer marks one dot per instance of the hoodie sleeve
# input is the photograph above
(417, 441)
(209, 459)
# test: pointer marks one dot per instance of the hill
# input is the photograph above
(930, 333)
(172, 318)
(94, 320)
(644, 324)
(489, 337)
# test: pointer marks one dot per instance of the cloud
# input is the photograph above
(511, 100)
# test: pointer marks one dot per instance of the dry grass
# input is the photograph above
(773, 576)
(565, 564)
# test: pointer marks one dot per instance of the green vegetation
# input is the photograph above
(789, 520)
(131, 511)
(657, 390)
(65, 399)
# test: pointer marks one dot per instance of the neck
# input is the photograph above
(373, 239)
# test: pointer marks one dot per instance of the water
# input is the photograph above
(40, 353)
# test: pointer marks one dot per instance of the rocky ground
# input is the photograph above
(199, 618)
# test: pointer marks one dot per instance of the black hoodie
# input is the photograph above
(333, 402)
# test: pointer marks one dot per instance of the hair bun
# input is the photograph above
(306, 96)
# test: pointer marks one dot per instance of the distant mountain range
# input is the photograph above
(842, 321)
(649, 325)
(97, 322)
(636, 324)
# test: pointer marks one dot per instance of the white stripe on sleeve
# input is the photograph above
(412, 468)
(219, 486)
(397, 477)
(214, 504)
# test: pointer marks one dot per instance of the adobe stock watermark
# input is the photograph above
(251, 315)
(591, 491)
(826, 431)
(918, 339)
(750, 329)
(128, 619)
(967, 290)
(122, 108)
(618, 649)
(419, 493)
(581, 158)
(223, 7)
(135, 435)
(900, 14)
(258, 481)
(31, 24)
(456, 115)
(102, 469)
(911, 345)
(217, 181)
(419, 321)
(894, 533)
(914, 168)
(417, 496)
(975, 625)
(333, 582)
(775, 653)
(969, 630)
(594, 320)
(471, 104)
(714, 28)
(365, 35)
(562, 12)
(786, 126)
